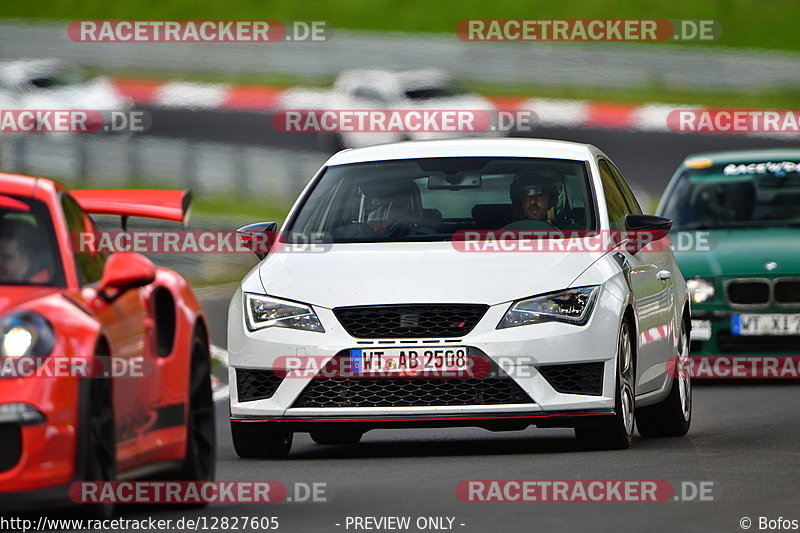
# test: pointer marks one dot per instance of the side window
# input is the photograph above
(627, 193)
(89, 265)
(615, 202)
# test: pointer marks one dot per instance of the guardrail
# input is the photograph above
(109, 160)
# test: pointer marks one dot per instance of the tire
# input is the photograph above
(616, 433)
(251, 441)
(336, 437)
(201, 444)
(672, 416)
(101, 444)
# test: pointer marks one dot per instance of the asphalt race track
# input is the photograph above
(743, 441)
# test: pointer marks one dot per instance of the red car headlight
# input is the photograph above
(26, 334)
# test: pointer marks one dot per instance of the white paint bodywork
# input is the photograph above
(434, 272)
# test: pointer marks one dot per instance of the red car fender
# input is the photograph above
(54, 444)
(190, 321)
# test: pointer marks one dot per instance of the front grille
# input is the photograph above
(787, 292)
(256, 384)
(10, 446)
(748, 292)
(410, 321)
(410, 392)
(579, 378)
(726, 342)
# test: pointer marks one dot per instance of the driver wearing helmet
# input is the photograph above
(534, 196)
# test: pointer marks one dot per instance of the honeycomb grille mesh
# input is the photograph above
(581, 378)
(410, 321)
(256, 384)
(497, 389)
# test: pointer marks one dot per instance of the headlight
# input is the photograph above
(263, 312)
(573, 306)
(25, 334)
(701, 290)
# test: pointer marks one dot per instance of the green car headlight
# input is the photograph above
(263, 312)
(573, 306)
(700, 290)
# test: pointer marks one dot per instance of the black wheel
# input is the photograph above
(336, 437)
(616, 433)
(672, 416)
(101, 446)
(252, 440)
(201, 441)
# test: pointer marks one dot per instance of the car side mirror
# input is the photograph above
(125, 271)
(258, 237)
(648, 228)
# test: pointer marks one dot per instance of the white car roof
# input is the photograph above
(404, 79)
(467, 148)
(22, 69)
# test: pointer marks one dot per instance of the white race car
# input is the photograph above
(407, 319)
(384, 90)
(50, 85)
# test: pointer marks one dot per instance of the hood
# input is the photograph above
(13, 296)
(743, 252)
(388, 273)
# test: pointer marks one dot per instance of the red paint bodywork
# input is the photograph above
(166, 205)
(81, 318)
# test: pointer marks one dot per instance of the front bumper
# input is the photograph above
(521, 352)
(722, 341)
(38, 456)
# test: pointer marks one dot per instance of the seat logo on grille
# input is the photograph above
(409, 320)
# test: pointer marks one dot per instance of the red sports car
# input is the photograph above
(59, 303)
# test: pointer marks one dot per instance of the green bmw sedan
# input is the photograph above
(736, 237)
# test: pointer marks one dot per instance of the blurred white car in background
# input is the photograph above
(365, 89)
(49, 84)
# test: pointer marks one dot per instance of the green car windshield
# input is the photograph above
(736, 196)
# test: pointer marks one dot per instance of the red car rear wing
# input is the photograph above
(161, 204)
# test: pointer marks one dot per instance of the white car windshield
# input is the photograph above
(433, 199)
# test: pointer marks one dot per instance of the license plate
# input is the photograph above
(701, 330)
(412, 361)
(766, 324)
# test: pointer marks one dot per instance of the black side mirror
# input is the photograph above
(648, 228)
(258, 237)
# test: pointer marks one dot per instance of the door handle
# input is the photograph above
(664, 275)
